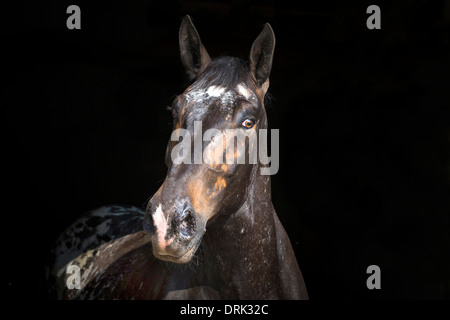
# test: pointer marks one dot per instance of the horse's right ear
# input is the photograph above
(194, 56)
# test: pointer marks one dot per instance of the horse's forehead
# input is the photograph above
(206, 95)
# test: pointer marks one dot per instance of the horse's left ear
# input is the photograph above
(261, 56)
(194, 56)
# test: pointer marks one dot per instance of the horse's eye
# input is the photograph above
(248, 123)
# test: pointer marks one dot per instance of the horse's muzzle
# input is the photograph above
(175, 234)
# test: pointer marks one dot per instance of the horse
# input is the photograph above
(211, 230)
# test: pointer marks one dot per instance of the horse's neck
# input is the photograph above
(244, 246)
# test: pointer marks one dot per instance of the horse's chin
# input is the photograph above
(186, 256)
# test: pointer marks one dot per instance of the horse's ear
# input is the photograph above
(194, 56)
(261, 56)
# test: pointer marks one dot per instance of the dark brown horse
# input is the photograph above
(210, 231)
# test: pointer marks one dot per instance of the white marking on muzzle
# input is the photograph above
(161, 227)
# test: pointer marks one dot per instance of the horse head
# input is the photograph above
(224, 103)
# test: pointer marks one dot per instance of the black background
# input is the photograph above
(363, 116)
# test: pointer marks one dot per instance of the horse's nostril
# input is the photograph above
(187, 223)
(186, 213)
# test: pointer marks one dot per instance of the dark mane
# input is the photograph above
(226, 72)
